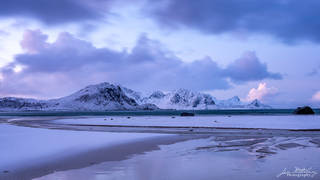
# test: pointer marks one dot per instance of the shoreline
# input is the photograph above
(160, 112)
(138, 124)
(211, 131)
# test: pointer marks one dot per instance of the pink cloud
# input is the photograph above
(262, 92)
(34, 41)
(316, 96)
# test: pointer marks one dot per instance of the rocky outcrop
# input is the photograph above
(304, 110)
(186, 114)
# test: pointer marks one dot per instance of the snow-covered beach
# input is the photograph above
(30, 152)
(51, 147)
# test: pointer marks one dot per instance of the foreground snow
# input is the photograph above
(237, 121)
(23, 146)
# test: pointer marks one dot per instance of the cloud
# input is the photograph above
(289, 21)
(34, 41)
(249, 68)
(262, 92)
(314, 72)
(4, 33)
(53, 69)
(57, 11)
(316, 97)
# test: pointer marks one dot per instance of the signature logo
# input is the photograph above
(298, 172)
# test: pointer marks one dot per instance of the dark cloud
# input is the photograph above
(70, 63)
(249, 68)
(55, 11)
(65, 54)
(288, 20)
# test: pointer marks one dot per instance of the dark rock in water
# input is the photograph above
(304, 110)
(187, 114)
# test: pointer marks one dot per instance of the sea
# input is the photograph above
(157, 112)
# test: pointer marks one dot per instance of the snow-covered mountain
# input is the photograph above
(106, 96)
(186, 99)
(180, 99)
(233, 102)
(256, 104)
(236, 103)
(12, 103)
(100, 97)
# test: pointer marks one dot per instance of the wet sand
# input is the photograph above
(233, 158)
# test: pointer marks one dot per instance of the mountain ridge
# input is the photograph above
(107, 97)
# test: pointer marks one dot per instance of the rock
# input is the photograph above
(304, 110)
(186, 114)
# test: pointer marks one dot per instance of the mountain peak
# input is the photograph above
(157, 94)
(180, 99)
(235, 98)
(257, 104)
(100, 85)
(101, 97)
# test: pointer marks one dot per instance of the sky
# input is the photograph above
(255, 49)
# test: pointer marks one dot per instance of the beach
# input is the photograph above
(150, 147)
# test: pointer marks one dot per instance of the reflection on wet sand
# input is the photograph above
(216, 157)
